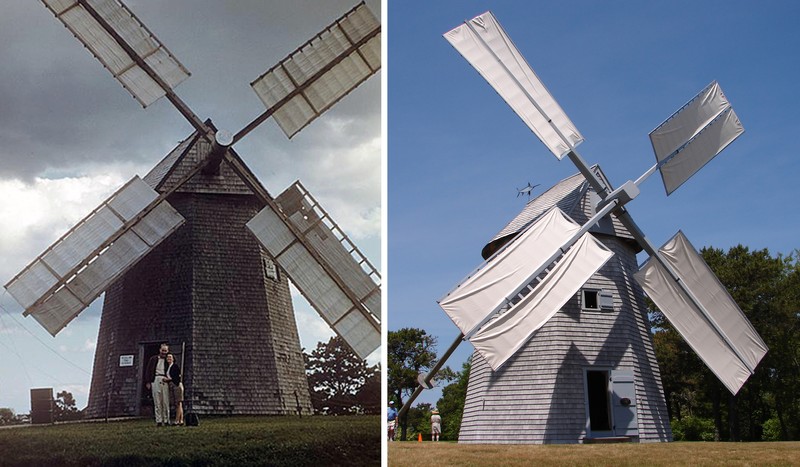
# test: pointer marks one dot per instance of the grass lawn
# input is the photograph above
(351, 440)
(412, 453)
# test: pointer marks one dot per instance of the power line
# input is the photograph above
(13, 349)
(39, 340)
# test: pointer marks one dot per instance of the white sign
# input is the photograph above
(126, 360)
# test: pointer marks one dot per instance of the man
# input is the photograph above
(392, 419)
(156, 374)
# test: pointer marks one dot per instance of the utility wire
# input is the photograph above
(13, 349)
(39, 340)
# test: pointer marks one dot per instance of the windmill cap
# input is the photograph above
(434, 411)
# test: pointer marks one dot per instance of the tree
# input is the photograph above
(451, 404)
(767, 289)
(369, 396)
(418, 420)
(410, 351)
(64, 408)
(7, 416)
(336, 376)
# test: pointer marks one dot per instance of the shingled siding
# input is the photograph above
(205, 285)
(538, 396)
(246, 354)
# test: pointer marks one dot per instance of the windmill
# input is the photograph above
(543, 376)
(205, 240)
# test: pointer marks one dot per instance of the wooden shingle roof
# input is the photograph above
(185, 156)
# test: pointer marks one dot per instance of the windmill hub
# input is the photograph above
(624, 194)
(223, 138)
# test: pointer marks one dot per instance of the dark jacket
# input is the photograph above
(175, 374)
(150, 370)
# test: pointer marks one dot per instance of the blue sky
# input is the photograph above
(70, 136)
(457, 153)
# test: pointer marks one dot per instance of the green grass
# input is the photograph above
(351, 440)
(410, 453)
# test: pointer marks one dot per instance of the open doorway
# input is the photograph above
(599, 401)
(610, 403)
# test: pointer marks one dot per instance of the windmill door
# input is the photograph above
(610, 403)
(623, 403)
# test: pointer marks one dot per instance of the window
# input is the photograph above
(597, 300)
(590, 300)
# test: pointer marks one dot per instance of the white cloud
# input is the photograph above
(42, 210)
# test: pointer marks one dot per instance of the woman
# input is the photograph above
(174, 377)
(436, 425)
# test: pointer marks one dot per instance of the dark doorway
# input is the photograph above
(598, 398)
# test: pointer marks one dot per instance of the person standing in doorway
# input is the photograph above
(436, 425)
(156, 374)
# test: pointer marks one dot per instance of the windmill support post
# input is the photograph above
(429, 377)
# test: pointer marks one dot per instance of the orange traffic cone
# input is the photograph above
(419, 437)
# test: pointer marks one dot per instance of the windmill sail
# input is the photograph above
(694, 135)
(359, 327)
(117, 38)
(724, 339)
(332, 244)
(313, 78)
(501, 338)
(487, 47)
(495, 281)
(77, 268)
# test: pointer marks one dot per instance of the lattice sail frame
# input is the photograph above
(358, 323)
(104, 46)
(80, 265)
(323, 70)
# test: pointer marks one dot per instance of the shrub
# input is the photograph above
(772, 430)
(693, 429)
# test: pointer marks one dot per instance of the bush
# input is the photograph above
(772, 430)
(693, 429)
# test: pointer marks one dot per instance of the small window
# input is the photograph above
(597, 300)
(270, 270)
(590, 300)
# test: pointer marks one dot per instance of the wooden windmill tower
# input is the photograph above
(563, 349)
(198, 253)
(598, 344)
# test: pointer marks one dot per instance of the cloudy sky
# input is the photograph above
(458, 153)
(70, 135)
